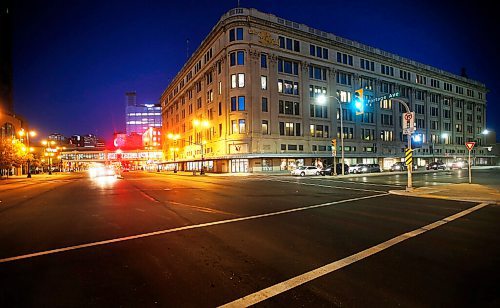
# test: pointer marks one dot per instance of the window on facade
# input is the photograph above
(241, 103)
(287, 107)
(344, 96)
(264, 104)
(367, 134)
(348, 132)
(265, 127)
(419, 109)
(237, 58)
(387, 70)
(318, 51)
(233, 103)
(344, 58)
(288, 43)
(344, 78)
(288, 67)
(236, 34)
(386, 119)
(386, 104)
(386, 135)
(316, 72)
(263, 60)
(234, 127)
(315, 91)
(288, 87)
(319, 131)
(237, 80)
(421, 79)
(367, 65)
(241, 126)
(263, 82)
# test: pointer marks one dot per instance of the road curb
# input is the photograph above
(455, 192)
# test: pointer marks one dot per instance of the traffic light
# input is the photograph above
(359, 104)
(334, 143)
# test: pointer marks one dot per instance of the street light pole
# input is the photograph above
(341, 136)
(202, 123)
(174, 137)
(32, 133)
(321, 100)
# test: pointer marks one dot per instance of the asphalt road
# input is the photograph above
(274, 241)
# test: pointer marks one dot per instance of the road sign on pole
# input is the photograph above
(469, 146)
(408, 123)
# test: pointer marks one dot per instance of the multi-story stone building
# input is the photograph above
(256, 78)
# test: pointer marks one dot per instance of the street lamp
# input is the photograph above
(322, 100)
(202, 124)
(174, 137)
(49, 152)
(31, 133)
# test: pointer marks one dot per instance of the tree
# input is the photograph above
(12, 154)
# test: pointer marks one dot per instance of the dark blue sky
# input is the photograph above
(74, 60)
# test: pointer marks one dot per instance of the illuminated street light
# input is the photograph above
(322, 100)
(203, 124)
(31, 133)
(49, 152)
(174, 137)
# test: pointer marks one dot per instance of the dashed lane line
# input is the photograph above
(296, 281)
(161, 232)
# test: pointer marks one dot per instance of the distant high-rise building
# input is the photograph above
(58, 138)
(131, 98)
(140, 117)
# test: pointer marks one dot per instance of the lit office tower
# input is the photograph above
(140, 117)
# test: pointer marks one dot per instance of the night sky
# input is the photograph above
(74, 60)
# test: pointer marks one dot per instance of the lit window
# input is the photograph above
(263, 82)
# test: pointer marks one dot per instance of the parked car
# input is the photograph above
(326, 171)
(338, 168)
(399, 166)
(306, 170)
(356, 168)
(437, 165)
(374, 168)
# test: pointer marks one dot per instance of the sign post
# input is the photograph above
(334, 154)
(469, 146)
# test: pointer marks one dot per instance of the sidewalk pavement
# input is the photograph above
(457, 192)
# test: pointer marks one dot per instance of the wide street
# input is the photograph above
(178, 240)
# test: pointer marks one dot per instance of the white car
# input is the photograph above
(306, 170)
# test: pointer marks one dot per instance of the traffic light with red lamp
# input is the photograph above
(359, 104)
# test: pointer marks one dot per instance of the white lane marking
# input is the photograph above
(361, 183)
(329, 186)
(296, 281)
(208, 224)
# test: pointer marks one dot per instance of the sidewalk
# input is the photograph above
(457, 192)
